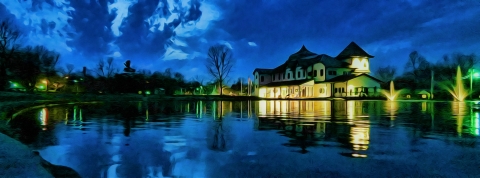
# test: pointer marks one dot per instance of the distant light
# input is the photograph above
(15, 85)
(45, 81)
(41, 87)
(75, 81)
(139, 92)
(476, 74)
(147, 92)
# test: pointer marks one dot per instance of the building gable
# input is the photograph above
(353, 50)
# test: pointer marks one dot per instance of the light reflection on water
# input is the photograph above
(224, 139)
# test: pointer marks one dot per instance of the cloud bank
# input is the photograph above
(156, 34)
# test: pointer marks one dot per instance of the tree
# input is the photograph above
(49, 60)
(219, 63)
(239, 85)
(8, 47)
(106, 70)
(417, 68)
(27, 67)
(386, 73)
(69, 68)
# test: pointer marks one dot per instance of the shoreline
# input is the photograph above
(14, 103)
(17, 159)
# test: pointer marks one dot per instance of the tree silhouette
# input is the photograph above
(386, 73)
(219, 63)
(8, 47)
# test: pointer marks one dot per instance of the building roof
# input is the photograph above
(305, 58)
(262, 71)
(293, 82)
(302, 53)
(310, 60)
(344, 78)
(353, 50)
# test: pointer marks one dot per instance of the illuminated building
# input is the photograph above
(309, 75)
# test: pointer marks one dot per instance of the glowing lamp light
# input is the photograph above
(147, 92)
(15, 85)
(41, 87)
(75, 81)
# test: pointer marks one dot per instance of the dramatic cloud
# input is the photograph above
(156, 34)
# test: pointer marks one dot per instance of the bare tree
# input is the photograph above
(416, 63)
(69, 68)
(49, 60)
(8, 46)
(100, 68)
(386, 73)
(106, 70)
(110, 67)
(198, 79)
(219, 63)
(418, 69)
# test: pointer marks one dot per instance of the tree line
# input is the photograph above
(36, 68)
(418, 72)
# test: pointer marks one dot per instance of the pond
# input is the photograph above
(258, 138)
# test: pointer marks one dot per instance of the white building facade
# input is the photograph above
(309, 75)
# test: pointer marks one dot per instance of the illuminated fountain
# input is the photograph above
(392, 94)
(458, 91)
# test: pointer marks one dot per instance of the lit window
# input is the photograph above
(424, 96)
(408, 96)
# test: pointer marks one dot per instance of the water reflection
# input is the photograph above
(179, 138)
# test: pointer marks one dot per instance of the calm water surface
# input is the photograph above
(258, 138)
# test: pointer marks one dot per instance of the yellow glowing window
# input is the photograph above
(424, 96)
(408, 96)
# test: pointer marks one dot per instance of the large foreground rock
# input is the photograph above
(17, 160)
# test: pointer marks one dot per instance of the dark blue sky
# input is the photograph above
(156, 34)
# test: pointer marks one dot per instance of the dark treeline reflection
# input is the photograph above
(165, 137)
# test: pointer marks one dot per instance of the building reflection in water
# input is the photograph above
(311, 123)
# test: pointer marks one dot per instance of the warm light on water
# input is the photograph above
(270, 138)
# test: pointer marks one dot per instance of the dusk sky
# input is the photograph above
(157, 34)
